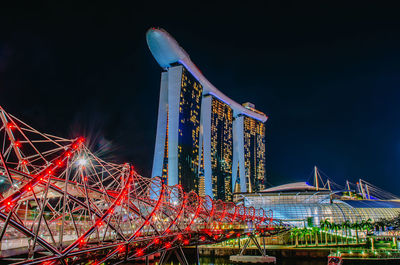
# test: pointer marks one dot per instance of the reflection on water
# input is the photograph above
(225, 261)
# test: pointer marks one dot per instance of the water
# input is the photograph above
(226, 261)
(280, 261)
(285, 261)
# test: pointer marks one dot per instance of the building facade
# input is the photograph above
(301, 204)
(205, 141)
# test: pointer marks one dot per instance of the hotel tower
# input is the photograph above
(205, 141)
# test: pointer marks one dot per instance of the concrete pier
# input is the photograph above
(252, 259)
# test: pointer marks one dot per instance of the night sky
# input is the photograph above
(327, 75)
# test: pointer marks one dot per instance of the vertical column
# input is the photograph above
(206, 124)
(174, 89)
(238, 153)
(161, 127)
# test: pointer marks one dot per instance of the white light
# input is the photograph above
(81, 162)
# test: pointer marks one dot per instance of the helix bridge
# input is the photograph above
(62, 204)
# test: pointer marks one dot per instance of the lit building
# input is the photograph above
(205, 141)
(302, 204)
(254, 154)
(221, 149)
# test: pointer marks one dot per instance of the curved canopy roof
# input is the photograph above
(166, 51)
(296, 186)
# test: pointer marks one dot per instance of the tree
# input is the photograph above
(295, 232)
(315, 231)
(356, 226)
(347, 225)
(325, 224)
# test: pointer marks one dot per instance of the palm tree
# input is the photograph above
(295, 233)
(346, 225)
(325, 224)
(368, 225)
(304, 233)
(336, 227)
(315, 231)
(356, 226)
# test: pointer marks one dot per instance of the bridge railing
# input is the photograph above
(59, 197)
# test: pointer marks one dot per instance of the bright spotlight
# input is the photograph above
(82, 162)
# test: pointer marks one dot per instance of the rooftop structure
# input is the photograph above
(205, 141)
(303, 204)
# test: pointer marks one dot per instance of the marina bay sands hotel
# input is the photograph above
(205, 141)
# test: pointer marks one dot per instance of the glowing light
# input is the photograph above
(186, 242)
(81, 162)
(168, 245)
(139, 252)
(121, 248)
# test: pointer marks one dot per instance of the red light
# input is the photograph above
(24, 162)
(180, 236)
(68, 154)
(203, 238)
(248, 234)
(10, 125)
(238, 235)
(186, 242)
(121, 248)
(29, 188)
(17, 144)
(156, 241)
(59, 162)
(147, 222)
(85, 178)
(9, 203)
(168, 245)
(139, 252)
(50, 172)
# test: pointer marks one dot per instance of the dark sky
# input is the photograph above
(326, 74)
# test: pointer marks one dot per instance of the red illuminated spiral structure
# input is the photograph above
(61, 204)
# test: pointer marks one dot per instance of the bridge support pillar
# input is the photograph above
(179, 254)
(197, 255)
